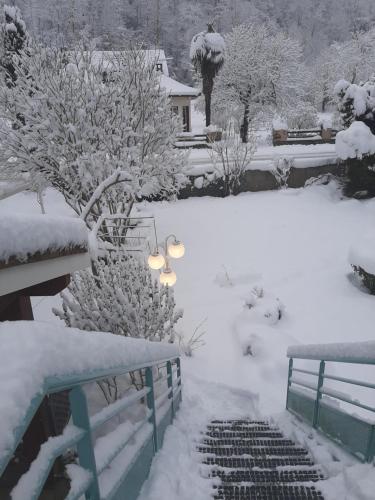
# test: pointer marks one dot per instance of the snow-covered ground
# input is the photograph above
(261, 272)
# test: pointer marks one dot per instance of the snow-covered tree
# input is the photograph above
(261, 69)
(352, 60)
(14, 40)
(98, 128)
(356, 103)
(207, 55)
(121, 298)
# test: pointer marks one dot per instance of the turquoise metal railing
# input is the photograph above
(305, 398)
(115, 467)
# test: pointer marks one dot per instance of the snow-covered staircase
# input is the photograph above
(253, 460)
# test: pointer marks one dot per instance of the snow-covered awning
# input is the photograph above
(37, 248)
(176, 89)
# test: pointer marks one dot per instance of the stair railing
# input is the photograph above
(116, 466)
(309, 398)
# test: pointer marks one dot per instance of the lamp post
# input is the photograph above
(174, 249)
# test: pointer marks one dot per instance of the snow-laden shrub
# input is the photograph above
(356, 102)
(355, 142)
(302, 115)
(120, 297)
(77, 118)
(230, 156)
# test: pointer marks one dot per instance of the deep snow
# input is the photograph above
(249, 258)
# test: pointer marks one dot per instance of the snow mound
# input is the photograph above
(362, 254)
(22, 235)
(32, 351)
(252, 326)
(355, 142)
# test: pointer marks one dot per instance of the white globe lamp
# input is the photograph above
(156, 261)
(176, 249)
(168, 277)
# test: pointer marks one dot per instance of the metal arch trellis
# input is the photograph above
(118, 233)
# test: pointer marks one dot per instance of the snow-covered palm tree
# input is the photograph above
(207, 56)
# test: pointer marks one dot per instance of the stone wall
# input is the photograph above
(261, 180)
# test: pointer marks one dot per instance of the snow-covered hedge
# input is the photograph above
(22, 235)
(355, 142)
(32, 351)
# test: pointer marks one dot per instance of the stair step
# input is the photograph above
(264, 463)
(254, 452)
(241, 427)
(253, 460)
(239, 422)
(245, 434)
(268, 492)
(240, 442)
(268, 476)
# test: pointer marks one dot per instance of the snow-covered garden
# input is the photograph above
(99, 202)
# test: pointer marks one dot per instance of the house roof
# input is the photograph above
(174, 88)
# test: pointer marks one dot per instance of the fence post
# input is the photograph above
(290, 373)
(151, 405)
(370, 455)
(80, 417)
(318, 394)
(170, 385)
(178, 361)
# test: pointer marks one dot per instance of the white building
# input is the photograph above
(181, 95)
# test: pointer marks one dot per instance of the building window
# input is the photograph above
(159, 67)
(186, 118)
(174, 110)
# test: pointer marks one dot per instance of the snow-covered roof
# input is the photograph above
(32, 352)
(23, 235)
(174, 88)
(151, 56)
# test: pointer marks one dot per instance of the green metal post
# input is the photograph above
(80, 417)
(318, 394)
(290, 373)
(370, 455)
(170, 385)
(151, 405)
(178, 361)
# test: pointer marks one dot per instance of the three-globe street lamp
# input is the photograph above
(157, 260)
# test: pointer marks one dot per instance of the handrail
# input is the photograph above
(93, 461)
(355, 434)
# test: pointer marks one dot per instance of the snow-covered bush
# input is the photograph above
(121, 297)
(104, 143)
(356, 102)
(355, 142)
(302, 115)
(231, 156)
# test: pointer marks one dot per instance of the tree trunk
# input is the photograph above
(245, 124)
(208, 83)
